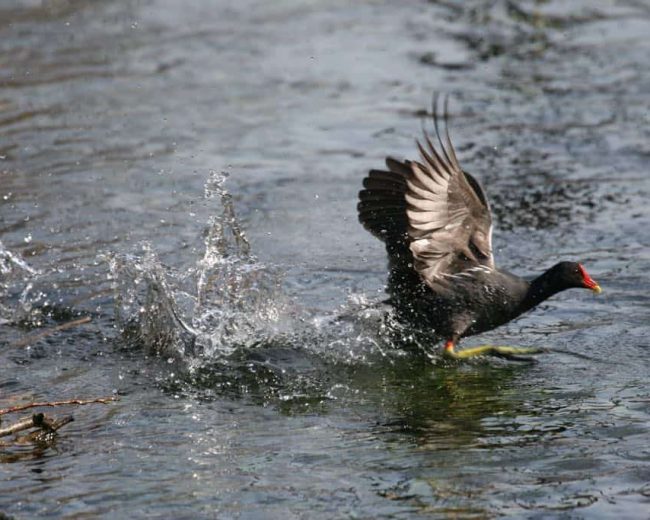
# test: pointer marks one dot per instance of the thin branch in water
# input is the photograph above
(19, 408)
(31, 338)
(44, 434)
(48, 427)
(35, 421)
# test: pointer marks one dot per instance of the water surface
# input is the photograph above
(186, 174)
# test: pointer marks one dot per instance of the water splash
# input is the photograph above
(227, 327)
(226, 300)
(16, 277)
(9, 262)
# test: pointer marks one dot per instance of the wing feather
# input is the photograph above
(434, 217)
(449, 220)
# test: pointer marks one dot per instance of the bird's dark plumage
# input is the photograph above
(436, 223)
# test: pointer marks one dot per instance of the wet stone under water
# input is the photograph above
(186, 174)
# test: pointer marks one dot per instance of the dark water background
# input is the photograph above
(284, 395)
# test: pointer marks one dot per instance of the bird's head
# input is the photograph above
(573, 274)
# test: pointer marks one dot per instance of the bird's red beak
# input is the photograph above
(588, 281)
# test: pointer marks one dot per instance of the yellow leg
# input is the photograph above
(491, 350)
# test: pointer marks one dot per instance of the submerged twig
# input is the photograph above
(46, 428)
(35, 421)
(100, 400)
(30, 338)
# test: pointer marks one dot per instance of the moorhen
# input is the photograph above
(435, 220)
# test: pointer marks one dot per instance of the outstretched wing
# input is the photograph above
(449, 220)
(434, 217)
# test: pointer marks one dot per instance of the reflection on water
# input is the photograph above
(259, 373)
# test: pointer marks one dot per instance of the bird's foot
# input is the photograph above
(511, 353)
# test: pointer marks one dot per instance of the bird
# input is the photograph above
(436, 223)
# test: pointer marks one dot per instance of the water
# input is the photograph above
(185, 174)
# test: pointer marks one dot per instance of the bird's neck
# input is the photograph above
(540, 289)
